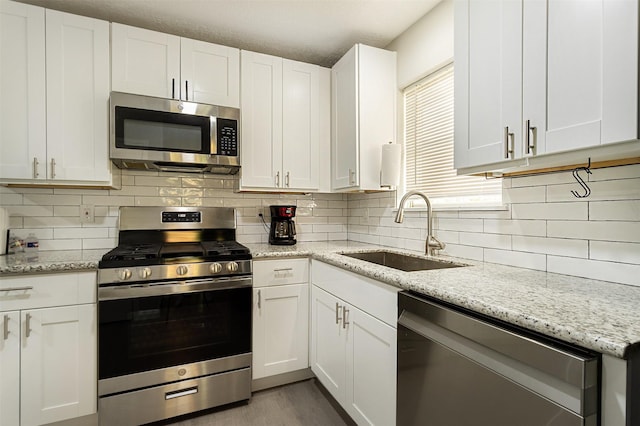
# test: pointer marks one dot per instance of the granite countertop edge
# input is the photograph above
(593, 314)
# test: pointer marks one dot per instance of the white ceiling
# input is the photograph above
(314, 31)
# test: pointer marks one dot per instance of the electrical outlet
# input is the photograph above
(87, 214)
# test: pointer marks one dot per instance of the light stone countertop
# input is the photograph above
(593, 314)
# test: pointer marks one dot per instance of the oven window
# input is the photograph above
(142, 334)
(162, 131)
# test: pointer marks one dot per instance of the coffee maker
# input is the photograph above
(283, 228)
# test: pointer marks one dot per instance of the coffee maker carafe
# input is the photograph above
(283, 228)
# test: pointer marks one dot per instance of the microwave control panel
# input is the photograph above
(227, 137)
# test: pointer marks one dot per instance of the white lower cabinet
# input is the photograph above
(353, 342)
(47, 354)
(280, 317)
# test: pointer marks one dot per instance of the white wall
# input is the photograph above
(543, 226)
(425, 46)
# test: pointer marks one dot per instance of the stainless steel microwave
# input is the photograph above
(151, 133)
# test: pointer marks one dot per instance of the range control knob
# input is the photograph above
(125, 274)
(215, 268)
(182, 270)
(144, 273)
(232, 266)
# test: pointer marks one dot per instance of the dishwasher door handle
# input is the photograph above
(551, 387)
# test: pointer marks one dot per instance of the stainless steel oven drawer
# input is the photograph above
(162, 402)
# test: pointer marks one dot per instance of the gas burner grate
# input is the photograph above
(130, 252)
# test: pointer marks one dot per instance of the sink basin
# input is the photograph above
(402, 262)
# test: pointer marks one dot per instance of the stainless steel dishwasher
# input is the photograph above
(457, 368)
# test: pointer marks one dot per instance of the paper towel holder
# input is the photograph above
(391, 156)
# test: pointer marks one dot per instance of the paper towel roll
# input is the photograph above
(390, 167)
(4, 226)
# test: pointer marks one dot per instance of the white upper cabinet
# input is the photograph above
(77, 98)
(363, 116)
(535, 78)
(54, 97)
(281, 118)
(151, 63)
(23, 131)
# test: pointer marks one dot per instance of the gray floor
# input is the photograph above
(298, 404)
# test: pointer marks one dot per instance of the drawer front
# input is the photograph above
(376, 298)
(280, 272)
(48, 290)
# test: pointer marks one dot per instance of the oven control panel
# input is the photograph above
(174, 217)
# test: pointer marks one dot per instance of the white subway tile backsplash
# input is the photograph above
(516, 258)
(557, 246)
(462, 225)
(516, 227)
(623, 189)
(465, 252)
(98, 243)
(595, 230)
(496, 241)
(558, 211)
(544, 227)
(607, 271)
(67, 233)
(530, 194)
(628, 210)
(615, 251)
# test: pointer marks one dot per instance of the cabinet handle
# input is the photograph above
(277, 179)
(507, 140)
(529, 143)
(338, 313)
(283, 269)
(17, 288)
(35, 167)
(186, 87)
(259, 300)
(345, 311)
(287, 180)
(173, 88)
(27, 331)
(53, 168)
(352, 177)
(5, 332)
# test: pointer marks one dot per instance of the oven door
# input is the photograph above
(156, 333)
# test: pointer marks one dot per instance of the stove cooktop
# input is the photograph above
(127, 255)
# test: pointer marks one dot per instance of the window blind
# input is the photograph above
(429, 168)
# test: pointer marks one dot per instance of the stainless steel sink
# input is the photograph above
(402, 262)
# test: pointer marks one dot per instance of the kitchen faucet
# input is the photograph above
(432, 242)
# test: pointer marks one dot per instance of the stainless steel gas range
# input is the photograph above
(174, 315)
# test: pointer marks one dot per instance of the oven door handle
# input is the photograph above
(171, 287)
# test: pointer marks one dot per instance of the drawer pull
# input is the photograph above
(5, 332)
(178, 394)
(17, 288)
(259, 300)
(283, 270)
